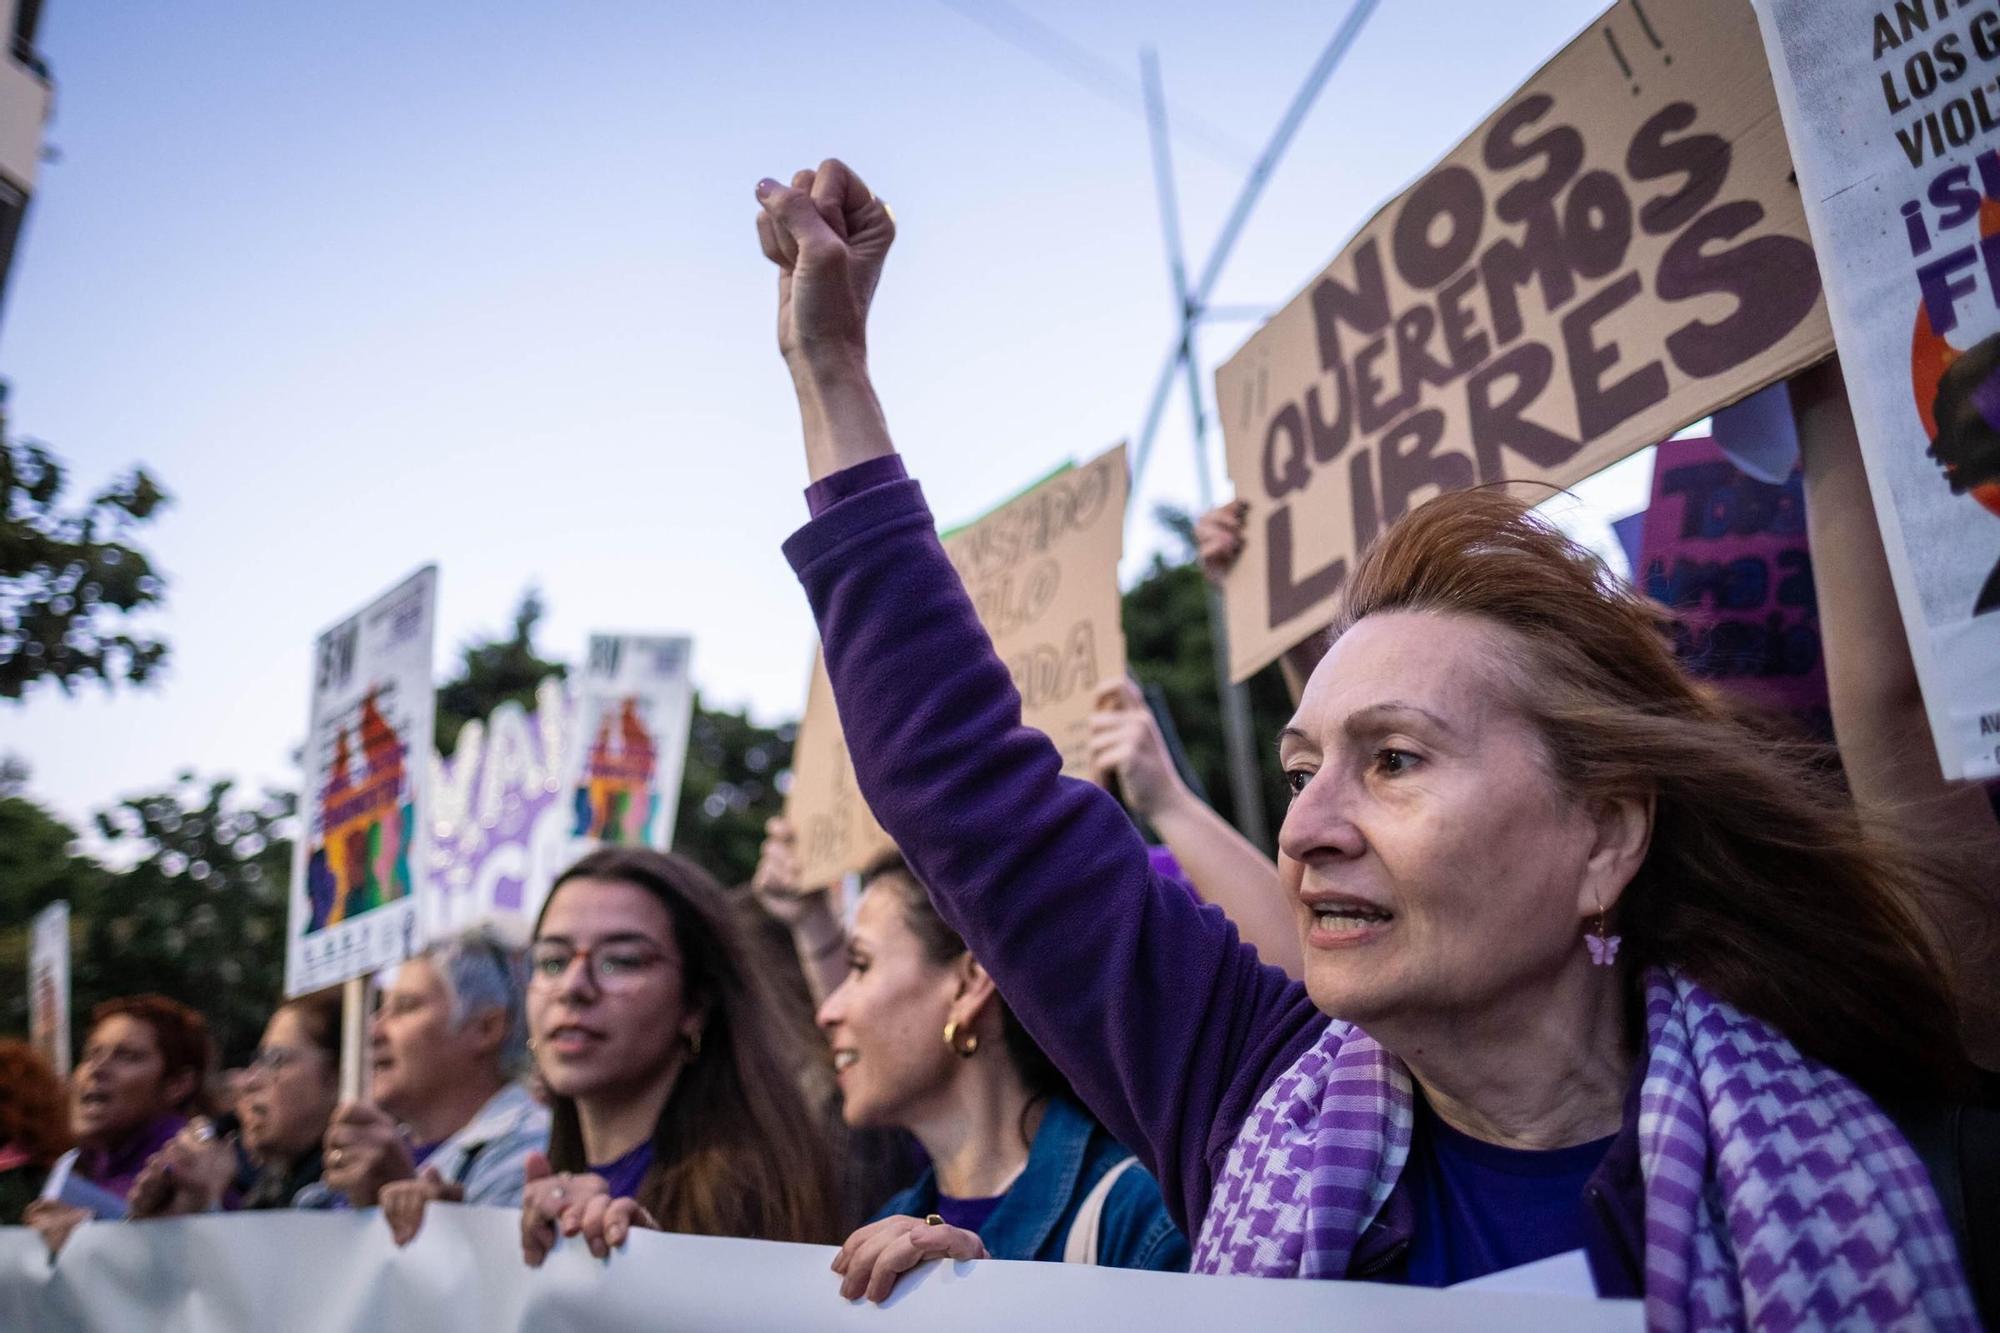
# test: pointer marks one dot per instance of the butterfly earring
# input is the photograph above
(1603, 946)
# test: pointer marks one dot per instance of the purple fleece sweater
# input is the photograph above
(1166, 1024)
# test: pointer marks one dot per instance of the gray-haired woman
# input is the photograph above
(448, 1118)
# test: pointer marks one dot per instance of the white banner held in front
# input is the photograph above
(308, 1272)
(1895, 130)
(365, 823)
(48, 986)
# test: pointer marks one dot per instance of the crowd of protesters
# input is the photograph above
(1561, 956)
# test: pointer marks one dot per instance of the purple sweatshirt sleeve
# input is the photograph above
(1168, 1027)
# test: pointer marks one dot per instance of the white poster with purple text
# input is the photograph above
(1894, 119)
(500, 820)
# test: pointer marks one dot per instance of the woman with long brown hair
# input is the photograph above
(1594, 973)
(673, 1076)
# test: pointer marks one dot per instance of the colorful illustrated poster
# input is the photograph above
(501, 816)
(361, 852)
(48, 986)
(1729, 552)
(1617, 251)
(634, 705)
(1895, 126)
(1042, 572)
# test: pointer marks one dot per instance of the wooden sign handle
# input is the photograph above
(354, 1039)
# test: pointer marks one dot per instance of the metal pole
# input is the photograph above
(1196, 303)
(1238, 743)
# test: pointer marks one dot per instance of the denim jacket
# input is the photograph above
(1070, 1152)
(487, 1156)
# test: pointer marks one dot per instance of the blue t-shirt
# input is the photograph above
(1481, 1208)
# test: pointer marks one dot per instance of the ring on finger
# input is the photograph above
(933, 1220)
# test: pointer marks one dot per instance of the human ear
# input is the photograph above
(179, 1087)
(489, 1029)
(975, 989)
(1621, 835)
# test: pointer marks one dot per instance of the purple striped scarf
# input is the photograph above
(1777, 1194)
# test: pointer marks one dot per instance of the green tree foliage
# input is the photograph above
(1168, 645)
(733, 783)
(71, 579)
(494, 671)
(39, 865)
(200, 915)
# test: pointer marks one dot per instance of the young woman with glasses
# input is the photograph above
(672, 1076)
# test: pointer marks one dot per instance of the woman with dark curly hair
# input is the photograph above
(34, 1130)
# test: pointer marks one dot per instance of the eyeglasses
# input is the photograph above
(615, 967)
(272, 1061)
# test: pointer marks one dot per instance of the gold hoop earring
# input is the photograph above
(969, 1049)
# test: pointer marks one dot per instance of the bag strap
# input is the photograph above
(1080, 1246)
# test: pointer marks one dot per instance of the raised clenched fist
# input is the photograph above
(828, 234)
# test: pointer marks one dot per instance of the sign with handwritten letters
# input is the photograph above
(361, 850)
(1893, 112)
(1729, 552)
(1042, 572)
(1617, 251)
(836, 831)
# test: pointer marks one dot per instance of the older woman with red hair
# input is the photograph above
(1593, 973)
(139, 1079)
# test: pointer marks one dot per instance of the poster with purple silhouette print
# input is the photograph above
(360, 854)
(1894, 122)
(634, 704)
(501, 817)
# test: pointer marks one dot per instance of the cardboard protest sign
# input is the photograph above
(501, 816)
(1895, 125)
(1042, 572)
(836, 831)
(1616, 252)
(634, 704)
(48, 986)
(360, 854)
(1729, 552)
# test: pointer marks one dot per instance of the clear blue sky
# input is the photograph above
(370, 285)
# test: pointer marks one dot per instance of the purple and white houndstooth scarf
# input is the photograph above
(1777, 1194)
